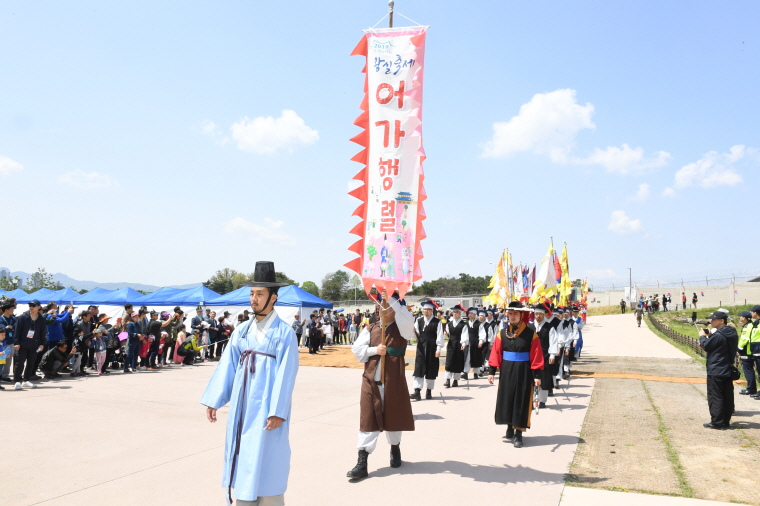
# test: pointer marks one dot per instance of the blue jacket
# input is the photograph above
(10, 336)
(55, 330)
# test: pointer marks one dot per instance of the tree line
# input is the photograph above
(339, 285)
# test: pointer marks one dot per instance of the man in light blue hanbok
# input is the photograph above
(256, 375)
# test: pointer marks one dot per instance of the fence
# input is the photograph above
(676, 336)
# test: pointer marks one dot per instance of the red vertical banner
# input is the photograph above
(392, 191)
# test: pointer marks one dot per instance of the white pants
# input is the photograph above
(272, 500)
(418, 383)
(467, 367)
(453, 375)
(368, 440)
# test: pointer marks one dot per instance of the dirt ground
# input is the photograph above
(341, 356)
(645, 434)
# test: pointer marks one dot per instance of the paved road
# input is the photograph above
(127, 439)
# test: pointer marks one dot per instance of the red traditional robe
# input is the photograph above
(518, 357)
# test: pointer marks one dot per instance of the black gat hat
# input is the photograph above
(264, 276)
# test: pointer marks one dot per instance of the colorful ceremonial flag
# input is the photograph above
(702, 294)
(499, 295)
(392, 191)
(566, 284)
(546, 278)
(736, 292)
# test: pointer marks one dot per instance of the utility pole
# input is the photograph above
(630, 285)
(390, 14)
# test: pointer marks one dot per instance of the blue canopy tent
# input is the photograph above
(44, 295)
(123, 296)
(18, 292)
(239, 297)
(293, 296)
(290, 300)
(157, 298)
(65, 296)
(95, 296)
(192, 297)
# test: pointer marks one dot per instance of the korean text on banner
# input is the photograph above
(392, 192)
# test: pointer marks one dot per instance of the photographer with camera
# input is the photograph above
(721, 348)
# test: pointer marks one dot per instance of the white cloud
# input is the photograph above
(643, 193)
(620, 223)
(270, 231)
(601, 273)
(266, 135)
(8, 166)
(714, 168)
(87, 180)
(209, 128)
(668, 192)
(547, 124)
(625, 159)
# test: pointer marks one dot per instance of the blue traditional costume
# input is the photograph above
(256, 375)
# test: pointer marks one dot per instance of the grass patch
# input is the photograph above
(686, 349)
(669, 318)
(603, 310)
(673, 456)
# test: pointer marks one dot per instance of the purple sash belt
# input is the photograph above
(248, 361)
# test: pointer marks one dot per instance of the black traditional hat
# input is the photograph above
(264, 276)
(515, 304)
(458, 307)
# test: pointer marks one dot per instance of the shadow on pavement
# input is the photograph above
(555, 441)
(480, 473)
(427, 416)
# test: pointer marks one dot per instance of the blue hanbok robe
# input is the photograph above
(263, 463)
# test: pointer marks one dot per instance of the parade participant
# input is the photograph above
(472, 345)
(490, 327)
(579, 324)
(257, 372)
(454, 350)
(517, 354)
(384, 403)
(429, 332)
(567, 337)
(547, 334)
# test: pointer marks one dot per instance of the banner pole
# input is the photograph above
(383, 306)
(390, 14)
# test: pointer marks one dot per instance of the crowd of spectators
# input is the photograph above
(46, 342)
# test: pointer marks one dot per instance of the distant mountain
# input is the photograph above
(66, 281)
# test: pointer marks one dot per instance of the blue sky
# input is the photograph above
(158, 141)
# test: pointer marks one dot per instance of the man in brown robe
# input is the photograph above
(384, 403)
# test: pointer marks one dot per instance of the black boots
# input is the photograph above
(428, 394)
(447, 384)
(474, 376)
(455, 384)
(395, 457)
(517, 442)
(510, 433)
(360, 470)
(416, 395)
(464, 376)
